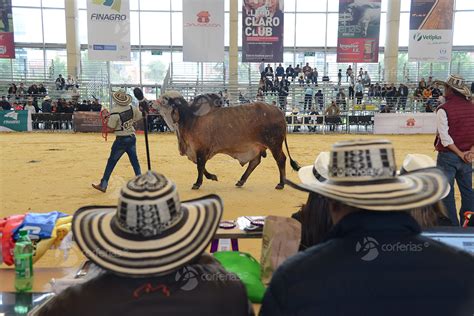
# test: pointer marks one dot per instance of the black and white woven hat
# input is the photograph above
(150, 232)
(363, 174)
(121, 98)
(316, 172)
(457, 83)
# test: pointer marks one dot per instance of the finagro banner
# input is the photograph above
(15, 121)
(203, 30)
(358, 31)
(7, 44)
(262, 30)
(431, 30)
(108, 29)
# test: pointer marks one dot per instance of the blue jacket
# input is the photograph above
(374, 263)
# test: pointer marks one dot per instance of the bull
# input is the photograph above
(204, 128)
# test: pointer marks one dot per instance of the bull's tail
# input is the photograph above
(294, 164)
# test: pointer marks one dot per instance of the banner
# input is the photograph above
(203, 30)
(7, 44)
(358, 31)
(108, 29)
(405, 123)
(87, 122)
(262, 30)
(15, 121)
(431, 30)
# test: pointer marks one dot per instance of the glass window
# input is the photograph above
(333, 5)
(57, 61)
(134, 4)
(464, 5)
(310, 29)
(27, 25)
(177, 5)
(405, 6)
(333, 19)
(289, 31)
(289, 6)
(134, 33)
(53, 3)
(154, 67)
(155, 5)
(311, 5)
(26, 3)
(404, 30)
(155, 28)
(462, 23)
(384, 5)
(83, 26)
(54, 26)
(82, 4)
(125, 72)
(177, 28)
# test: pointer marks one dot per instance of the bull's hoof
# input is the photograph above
(196, 186)
(239, 183)
(212, 177)
(280, 186)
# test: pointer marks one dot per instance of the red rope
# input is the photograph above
(104, 117)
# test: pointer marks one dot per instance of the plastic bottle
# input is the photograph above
(23, 254)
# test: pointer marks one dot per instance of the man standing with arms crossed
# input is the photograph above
(121, 121)
(455, 144)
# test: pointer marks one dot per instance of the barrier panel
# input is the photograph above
(87, 122)
(15, 121)
(405, 123)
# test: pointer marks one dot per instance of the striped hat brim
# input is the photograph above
(416, 189)
(464, 90)
(121, 98)
(97, 235)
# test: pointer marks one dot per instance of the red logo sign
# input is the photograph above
(411, 122)
(203, 17)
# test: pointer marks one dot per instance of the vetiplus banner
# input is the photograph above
(203, 30)
(358, 31)
(7, 46)
(431, 30)
(108, 29)
(262, 30)
(15, 121)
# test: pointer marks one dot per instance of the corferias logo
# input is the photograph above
(187, 278)
(203, 17)
(411, 122)
(368, 248)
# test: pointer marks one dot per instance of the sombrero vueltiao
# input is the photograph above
(362, 173)
(121, 98)
(457, 83)
(150, 232)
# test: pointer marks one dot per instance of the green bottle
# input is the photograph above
(23, 254)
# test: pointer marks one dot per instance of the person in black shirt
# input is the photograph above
(5, 104)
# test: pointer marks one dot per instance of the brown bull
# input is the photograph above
(205, 129)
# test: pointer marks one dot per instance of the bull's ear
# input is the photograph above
(175, 115)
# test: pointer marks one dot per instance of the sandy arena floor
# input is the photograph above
(41, 172)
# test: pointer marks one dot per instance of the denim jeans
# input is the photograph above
(455, 168)
(123, 144)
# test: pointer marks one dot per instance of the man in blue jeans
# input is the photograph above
(121, 121)
(455, 144)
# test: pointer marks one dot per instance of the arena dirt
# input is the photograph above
(41, 172)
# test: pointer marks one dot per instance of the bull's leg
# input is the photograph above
(251, 167)
(201, 166)
(209, 175)
(280, 159)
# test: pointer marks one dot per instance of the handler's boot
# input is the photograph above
(99, 187)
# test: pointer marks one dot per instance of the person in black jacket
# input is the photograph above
(374, 261)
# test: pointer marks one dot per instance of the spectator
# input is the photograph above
(268, 71)
(348, 73)
(339, 77)
(42, 90)
(319, 99)
(290, 73)
(351, 268)
(68, 108)
(455, 144)
(359, 89)
(148, 286)
(366, 79)
(261, 68)
(341, 99)
(383, 91)
(312, 119)
(430, 81)
(18, 107)
(402, 96)
(295, 120)
(12, 90)
(268, 85)
(361, 73)
(435, 94)
(301, 80)
(332, 113)
(314, 216)
(422, 84)
(70, 82)
(378, 90)
(4, 104)
(21, 91)
(298, 70)
(46, 106)
(29, 106)
(60, 82)
(391, 97)
(260, 94)
(308, 72)
(33, 90)
(315, 76)
(280, 71)
(351, 87)
(308, 98)
(282, 97)
(371, 92)
(97, 107)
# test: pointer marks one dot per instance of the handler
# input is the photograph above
(121, 121)
(455, 144)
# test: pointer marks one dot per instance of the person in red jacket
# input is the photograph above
(455, 144)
